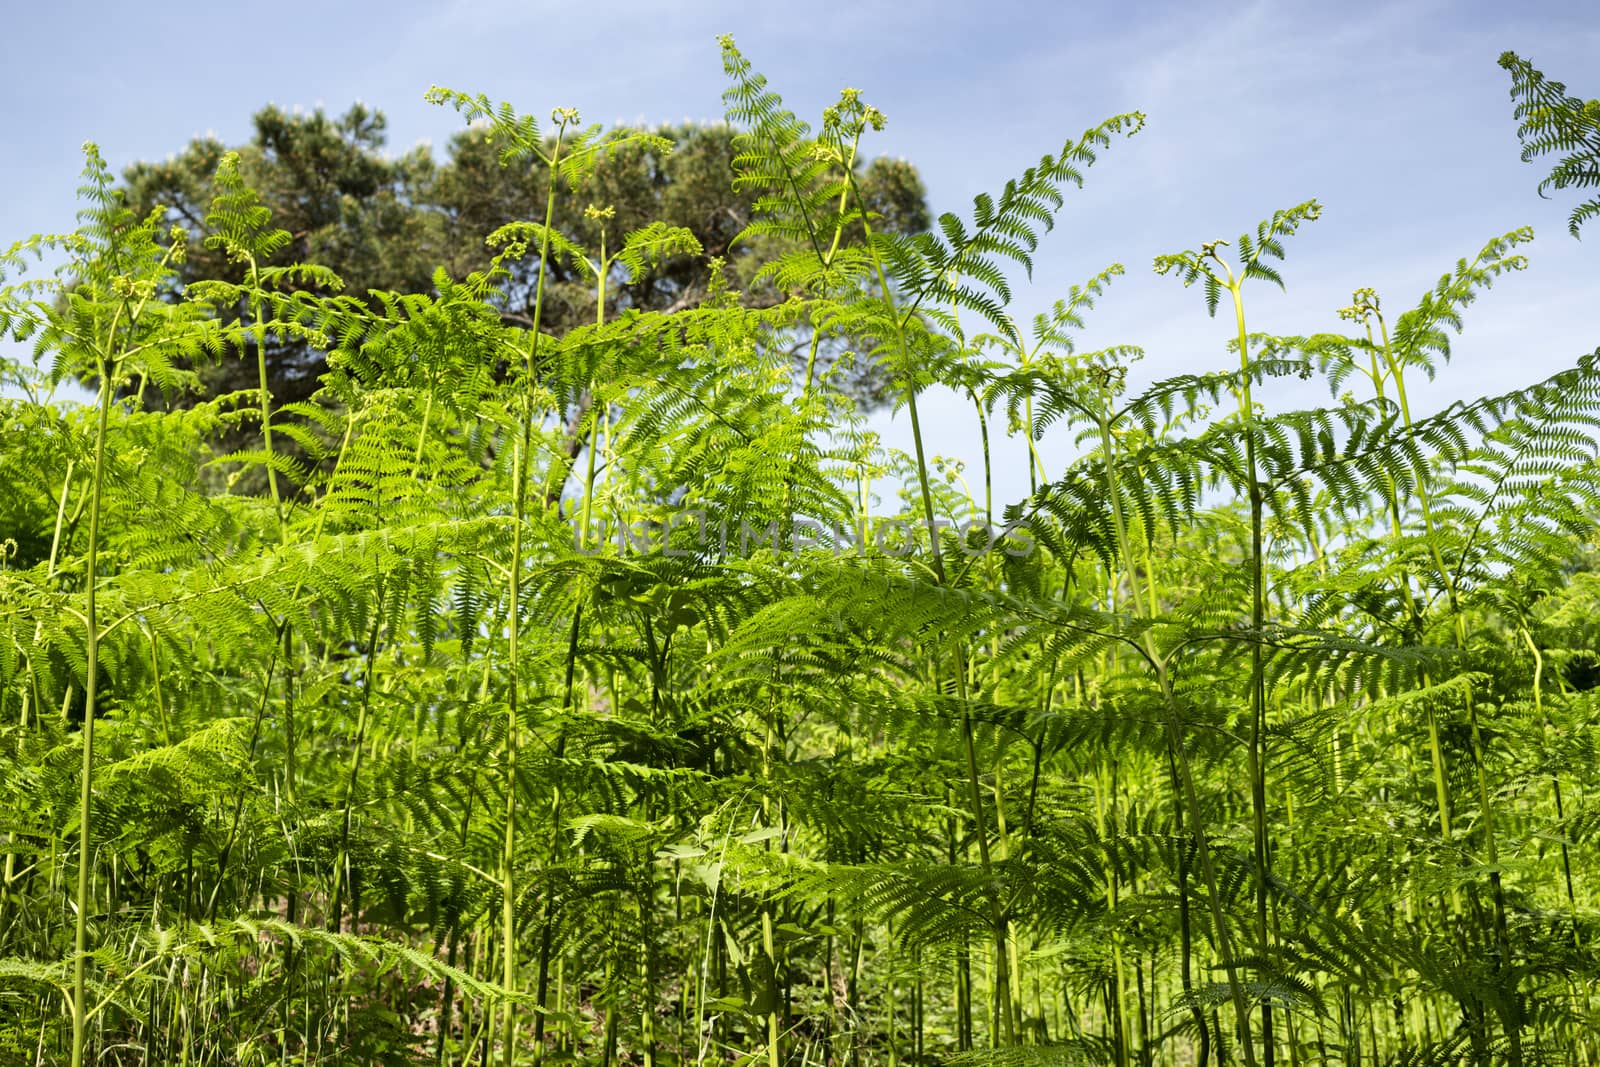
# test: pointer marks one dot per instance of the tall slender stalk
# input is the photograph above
(521, 459)
(1258, 680)
(81, 899)
(108, 356)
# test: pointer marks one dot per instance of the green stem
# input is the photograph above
(827, 260)
(520, 460)
(105, 366)
(266, 398)
(1258, 686)
(1555, 782)
(1393, 370)
(81, 902)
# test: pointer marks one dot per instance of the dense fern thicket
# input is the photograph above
(579, 697)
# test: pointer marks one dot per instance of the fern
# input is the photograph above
(1551, 121)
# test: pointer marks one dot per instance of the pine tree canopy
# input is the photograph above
(384, 221)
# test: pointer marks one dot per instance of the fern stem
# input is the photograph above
(422, 435)
(521, 458)
(1258, 684)
(826, 260)
(61, 514)
(105, 366)
(81, 901)
(1393, 370)
(1555, 783)
(265, 397)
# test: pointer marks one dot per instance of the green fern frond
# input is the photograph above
(1552, 121)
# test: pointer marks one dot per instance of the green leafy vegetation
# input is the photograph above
(1552, 121)
(547, 678)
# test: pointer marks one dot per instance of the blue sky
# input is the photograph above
(1393, 115)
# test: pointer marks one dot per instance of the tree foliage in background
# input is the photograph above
(385, 222)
